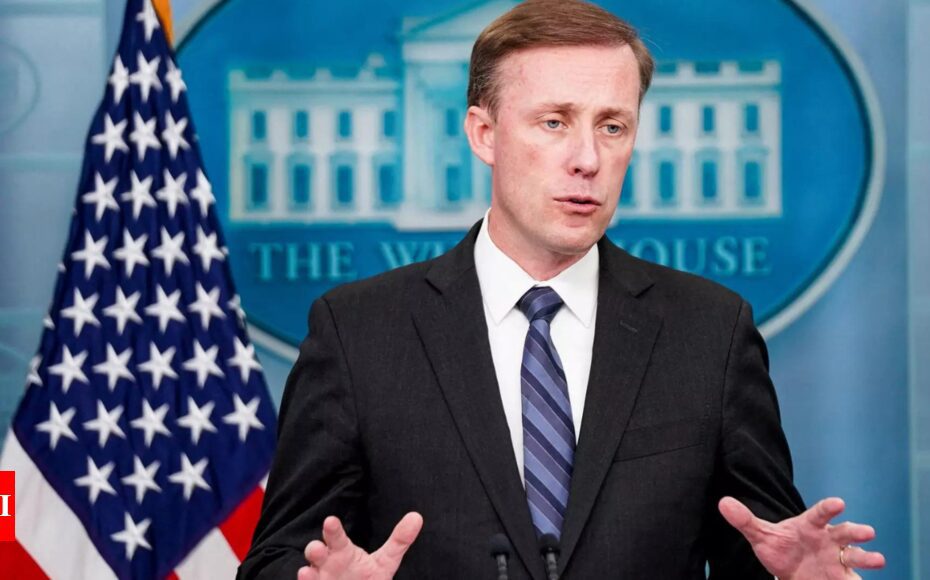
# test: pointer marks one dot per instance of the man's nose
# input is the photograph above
(585, 158)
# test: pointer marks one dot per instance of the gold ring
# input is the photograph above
(843, 557)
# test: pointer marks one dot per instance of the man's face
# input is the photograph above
(562, 140)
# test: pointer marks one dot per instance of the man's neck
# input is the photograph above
(537, 262)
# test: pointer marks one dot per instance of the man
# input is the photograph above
(537, 379)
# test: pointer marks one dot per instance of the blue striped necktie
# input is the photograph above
(548, 429)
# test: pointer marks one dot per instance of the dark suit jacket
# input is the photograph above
(393, 405)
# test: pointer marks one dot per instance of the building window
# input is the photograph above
(709, 181)
(258, 186)
(667, 182)
(301, 178)
(259, 126)
(751, 66)
(667, 68)
(452, 123)
(453, 184)
(345, 125)
(627, 194)
(752, 182)
(345, 186)
(389, 124)
(708, 120)
(388, 192)
(751, 119)
(301, 125)
(707, 67)
(665, 120)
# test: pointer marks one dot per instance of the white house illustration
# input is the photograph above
(386, 144)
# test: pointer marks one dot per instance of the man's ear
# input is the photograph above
(479, 126)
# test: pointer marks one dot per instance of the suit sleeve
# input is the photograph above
(753, 462)
(318, 468)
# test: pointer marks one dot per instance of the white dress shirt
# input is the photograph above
(502, 283)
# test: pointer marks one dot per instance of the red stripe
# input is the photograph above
(238, 527)
(171, 576)
(17, 563)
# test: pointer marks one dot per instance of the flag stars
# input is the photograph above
(148, 18)
(207, 305)
(146, 75)
(133, 535)
(245, 360)
(197, 419)
(124, 309)
(159, 365)
(173, 134)
(151, 422)
(92, 254)
(82, 311)
(174, 80)
(206, 248)
(33, 377)
(106, 423)
(165, 308)
(142, 478)
(244, 417)
(119, 79)
(235, 304)
(170, 250)
(203, 363)
(57, 425)
(203, 193)
(143, 135)
(102, 195)
(139, 194)
(173, 192)
(96, 480)
(190, 476)
(115, 367)
(111, 138)
(132, 251)
(69, 369)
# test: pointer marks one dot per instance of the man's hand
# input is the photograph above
(337, 558)
(806, 546)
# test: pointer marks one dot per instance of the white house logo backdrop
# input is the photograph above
(333, 136)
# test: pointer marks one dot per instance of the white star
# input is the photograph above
(197, 419)
(148, 18)
(102, 195)
(96, 480)
(106, 423)
(124, 309)
(139, 194)
(133, 535)
(143, 135)
(92, 254)
(173, 191)
(173, 134)
(207, 305)
(245, 360)
(82, 311)
(142, 478)
(236, 305)
(132, 251)
(203, 193)
(159, 365)
(206, 249)
(111, 138)
(115, 367)
(33, 377)
(190, 476)
(69, 369)
(57, 425)
(244, 416)
(203, 363)
(119, 79)
(47, 322)
(151, 422)
(146, 75)
(173, 76)
(170, 250)
(166, 308)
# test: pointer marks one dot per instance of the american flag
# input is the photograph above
(146, 428)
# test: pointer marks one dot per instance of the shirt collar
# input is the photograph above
(503, 281)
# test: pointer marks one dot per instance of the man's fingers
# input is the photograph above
(856, 557)
(850, 533)
(824, 511)
(316, 553)
(405, 532)
(738, 515)
(334, 535)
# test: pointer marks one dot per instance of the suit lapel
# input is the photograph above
(625, 333)
(451, 323)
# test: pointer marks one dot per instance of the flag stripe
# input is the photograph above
(43, 520)
(17, 563)
(212, 558)
(239, 526)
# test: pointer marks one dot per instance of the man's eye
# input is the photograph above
(614, 129)
(553, 124)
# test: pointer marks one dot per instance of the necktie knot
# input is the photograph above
(540, 302)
